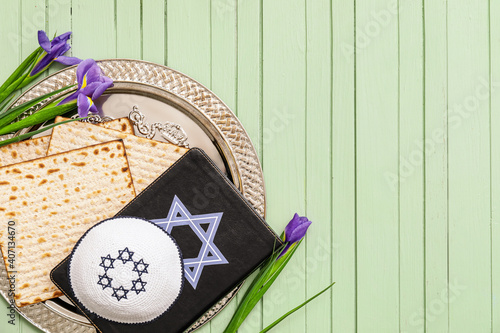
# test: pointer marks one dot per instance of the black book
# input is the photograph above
(221, 237)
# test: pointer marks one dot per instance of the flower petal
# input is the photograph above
(299, 232)
(83, 69)
(44, 41)
(68, 61)
(294, 222)
(90, 88)
(93, 107)
(94, 74)
(102, 87)
(61, 38)
(70, 98)
(60, 50)
(41, 64)
(84, 104)
(296, 228)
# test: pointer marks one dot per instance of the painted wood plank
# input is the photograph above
(10, 38)
(411, 165)
(318, 265)
(224, 50)
(249, 102)
(128, 29)
(188, 38)
(33, 19)
(284, 148)
(495, 163)
(469, 167)
(376, 156)
(94, 24)
(343, 167)
(434, 315)
(59, 21)
(153, 31)
(224, 84)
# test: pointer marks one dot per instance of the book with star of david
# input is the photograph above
(221, 237)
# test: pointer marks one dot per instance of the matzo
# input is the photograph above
(36, 148)
(24, 150)
(148, 159)
(53, 201)
(121, 124)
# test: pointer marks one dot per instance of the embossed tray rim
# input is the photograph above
(198, 96)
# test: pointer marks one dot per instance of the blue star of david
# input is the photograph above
(120, 293)
(107, 262)
(139, 282)
(209, 254)
(140, 267)
(125, 255)
(104, 281)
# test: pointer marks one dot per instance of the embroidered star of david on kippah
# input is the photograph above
(120, 293)
(104, 281)
(140, 267)
(138, 286)
(209, 254)
(125, 255)
(107, 262)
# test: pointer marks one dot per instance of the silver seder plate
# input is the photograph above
(168, 106)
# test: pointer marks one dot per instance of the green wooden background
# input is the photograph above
(378, 119)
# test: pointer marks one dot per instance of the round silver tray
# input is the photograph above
(161, 94)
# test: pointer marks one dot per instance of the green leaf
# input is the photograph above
(277, 268)
(268, 328)
(249, 299)
(28, 62)
(38, 117)
(11, 114)
(28, 79)
(13, 87)
(30, 134)
(5, 103)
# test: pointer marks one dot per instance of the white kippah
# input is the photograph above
(126, 270)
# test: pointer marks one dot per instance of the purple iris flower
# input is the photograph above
(54, 51)
(294, 231)
(91, 85)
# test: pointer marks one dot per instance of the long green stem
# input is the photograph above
(8, 116)
(38, 118)
(268, 328)
(258, 286)
(12, 87)
(4, 104)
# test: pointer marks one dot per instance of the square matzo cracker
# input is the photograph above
(148, 159)
(53, 200)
